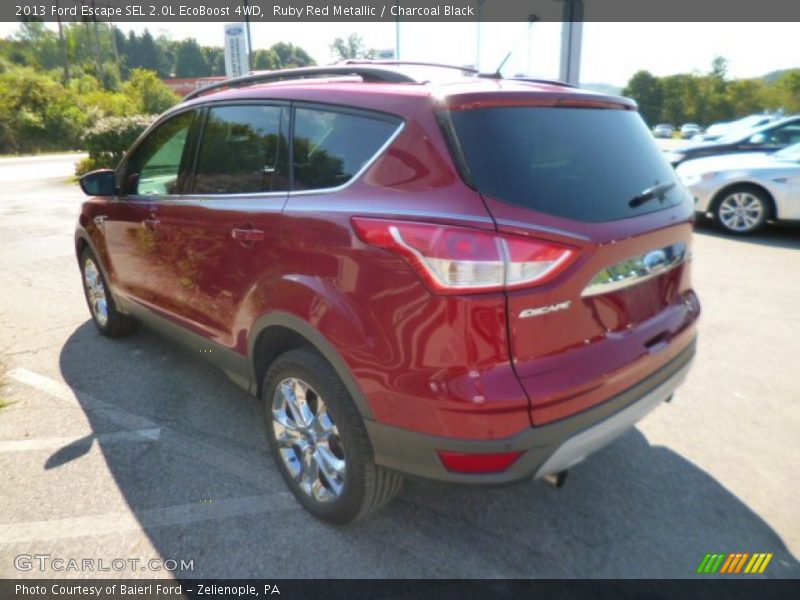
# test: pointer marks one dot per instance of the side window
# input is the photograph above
(154, 169)
(243, 150)
(331, 147)
(788, 134)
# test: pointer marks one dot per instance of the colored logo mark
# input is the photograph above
(735, 562)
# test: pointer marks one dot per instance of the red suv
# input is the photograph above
(419, 270)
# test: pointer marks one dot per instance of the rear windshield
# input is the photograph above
(585, 164)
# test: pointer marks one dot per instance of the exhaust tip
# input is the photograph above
(556, 479)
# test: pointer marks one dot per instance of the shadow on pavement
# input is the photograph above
(632, 510)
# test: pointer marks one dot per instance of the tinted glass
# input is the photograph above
(331, 147)
(579, 163)
(243, 150)
(154, 168)
(788, 134)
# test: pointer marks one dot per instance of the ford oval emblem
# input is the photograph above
(654, 261)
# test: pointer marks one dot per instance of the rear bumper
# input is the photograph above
(545, 449)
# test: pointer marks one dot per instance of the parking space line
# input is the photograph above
(141, 435)
(113, 523)
(186, 444)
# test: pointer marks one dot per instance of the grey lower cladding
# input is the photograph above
(547, 449)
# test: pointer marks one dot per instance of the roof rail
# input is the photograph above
(366, 72)
(407, 63)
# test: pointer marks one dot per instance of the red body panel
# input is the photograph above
(571, 360)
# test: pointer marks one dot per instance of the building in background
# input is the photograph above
(184, 85)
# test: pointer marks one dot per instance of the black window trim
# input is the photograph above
(348, 110)
(187, 195)
(184, 167)
(190, 195)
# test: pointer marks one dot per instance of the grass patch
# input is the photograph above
(4, 402)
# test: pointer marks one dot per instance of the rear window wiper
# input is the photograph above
(657, 191)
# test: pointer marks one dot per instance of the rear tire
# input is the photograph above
(105, 314)
(319, 442)
(742, 210)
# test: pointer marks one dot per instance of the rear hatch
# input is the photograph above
(583, 172)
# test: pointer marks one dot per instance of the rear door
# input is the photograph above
(593, 179)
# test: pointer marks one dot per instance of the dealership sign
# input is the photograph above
(236, 59)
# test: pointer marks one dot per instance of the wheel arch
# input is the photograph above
(278, 332)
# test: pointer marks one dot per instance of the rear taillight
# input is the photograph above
(457, 260)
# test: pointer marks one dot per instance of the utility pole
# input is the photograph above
(571, 39)
(249, 40)
(63, 43)
(478, 41)
(397, 32)
(528, 53)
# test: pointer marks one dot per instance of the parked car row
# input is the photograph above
(667, 130)
(717, 130)
(747, 176)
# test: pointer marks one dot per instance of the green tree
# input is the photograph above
(265, 60)
(149, 92)
(190, 61)
(787, 91)
(351, 47)
(716, 88)
(215, 59)
(747, 96)
(291, 56)
(648, 92)
(40, 45)
(144, 53)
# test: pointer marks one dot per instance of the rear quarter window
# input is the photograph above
(330, 147)
(580, 163)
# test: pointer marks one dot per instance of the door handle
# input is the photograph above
(100, 220)
(151, 224)
(247, 235)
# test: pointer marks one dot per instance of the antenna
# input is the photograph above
(531, 20)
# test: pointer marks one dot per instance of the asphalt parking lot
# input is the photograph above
(136, 449)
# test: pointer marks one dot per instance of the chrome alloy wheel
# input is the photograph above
(308, 440)
(95, 292)
(741, 211)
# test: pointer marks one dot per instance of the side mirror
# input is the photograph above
(757, 139)
(99, 183)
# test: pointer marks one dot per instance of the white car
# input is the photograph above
(717, 130)
(743, 191)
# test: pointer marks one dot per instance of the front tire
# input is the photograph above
(319, 442)
(105, 315)
(742, 210)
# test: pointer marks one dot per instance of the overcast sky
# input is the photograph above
(612, 52)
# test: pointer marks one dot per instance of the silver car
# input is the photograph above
(743, 191)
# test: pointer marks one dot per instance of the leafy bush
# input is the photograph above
(88, 164)
(108, 140)
(37, 113)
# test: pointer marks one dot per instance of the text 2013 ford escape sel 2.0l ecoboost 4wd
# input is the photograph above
(419, 270)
